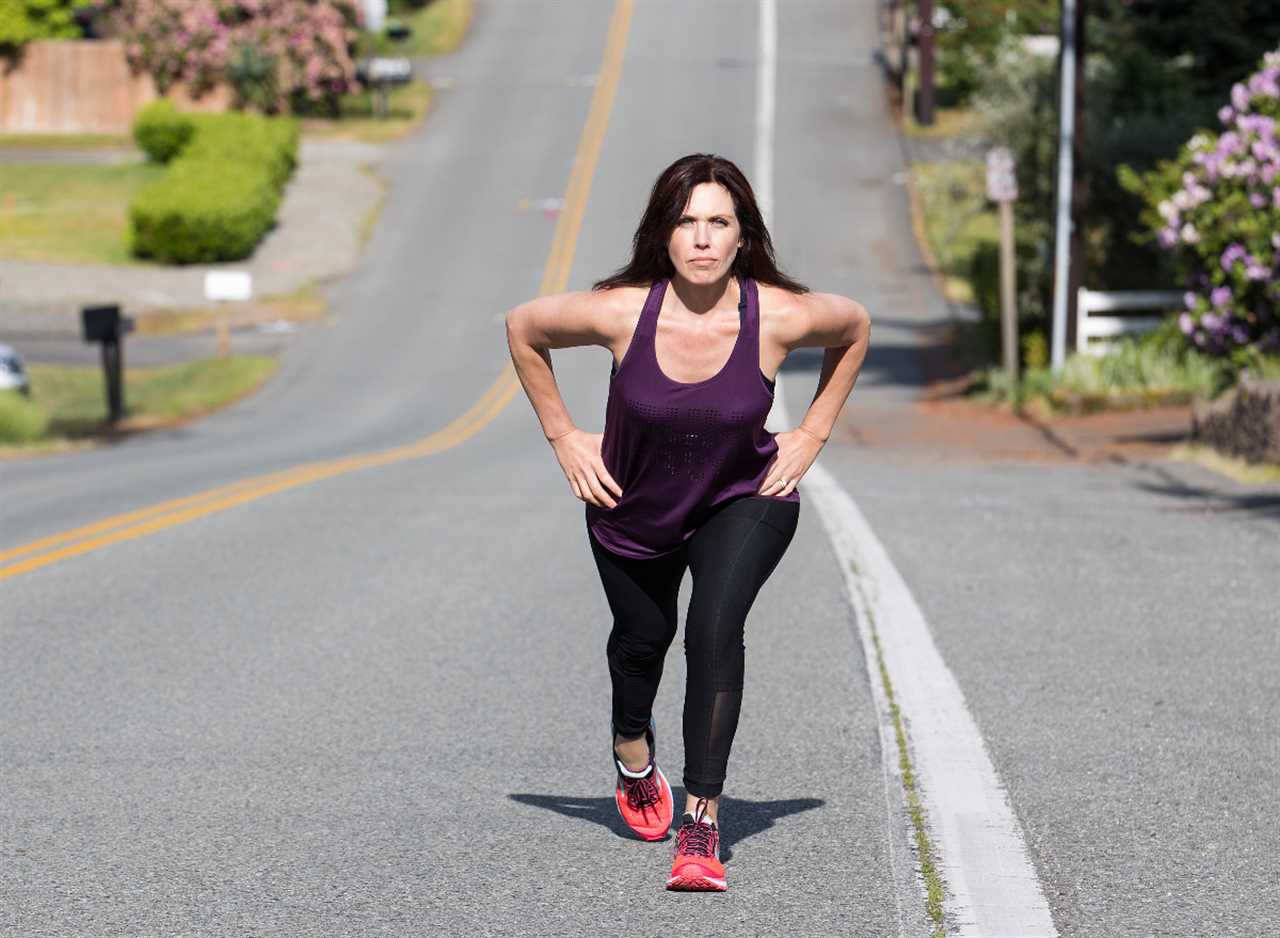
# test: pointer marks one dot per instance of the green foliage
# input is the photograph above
(160, 130)
(1156, 369)
(268, 142)
(221, 194)
(255, 78)
(971, 33)
(21, 421)
(24, 20)
(202, 212)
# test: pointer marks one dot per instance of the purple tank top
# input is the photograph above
(680, 450)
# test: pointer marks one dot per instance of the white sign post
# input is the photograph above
(223, 286)
(1002, 188)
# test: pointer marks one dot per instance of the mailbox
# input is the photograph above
(385, 71)
(398, 30)
(104, 323)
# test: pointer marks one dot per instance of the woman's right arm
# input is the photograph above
(563, 320)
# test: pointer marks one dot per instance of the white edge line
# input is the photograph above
(766, 101)
(991, 884)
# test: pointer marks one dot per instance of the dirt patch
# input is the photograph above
(946, 429)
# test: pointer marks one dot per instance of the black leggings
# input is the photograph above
(731, 555)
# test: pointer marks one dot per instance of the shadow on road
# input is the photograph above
(745, 818)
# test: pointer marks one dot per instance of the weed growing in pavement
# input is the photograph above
(915, 808)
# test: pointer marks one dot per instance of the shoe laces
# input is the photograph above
(695, 839)
(641, 792)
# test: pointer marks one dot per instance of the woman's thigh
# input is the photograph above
(731, 556)
(642, 594)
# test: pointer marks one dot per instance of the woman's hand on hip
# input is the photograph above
(583, 465)
(796, 452)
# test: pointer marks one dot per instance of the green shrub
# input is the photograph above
(204, 211)
(160, 130)
(1156, 369)
(220, 194)
(268, 142)
(20, 420)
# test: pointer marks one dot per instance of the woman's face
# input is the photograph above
(707, 236)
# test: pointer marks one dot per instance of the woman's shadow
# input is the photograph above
(745, 817)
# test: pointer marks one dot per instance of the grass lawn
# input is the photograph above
(70, 213)
(437, 27)
(65, 141)
(305, 304)
(68, 402)
(953, 217)
(947, 122)
(406, 106)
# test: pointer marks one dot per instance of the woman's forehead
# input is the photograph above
(709, 197)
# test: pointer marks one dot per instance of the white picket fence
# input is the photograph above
(1090, 326)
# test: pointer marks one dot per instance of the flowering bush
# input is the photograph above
(1217, 208)
(272, 51)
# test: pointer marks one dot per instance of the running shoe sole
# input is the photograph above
(693, 878)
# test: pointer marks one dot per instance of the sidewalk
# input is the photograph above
(318, 236)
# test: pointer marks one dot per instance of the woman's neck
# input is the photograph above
(700, 298)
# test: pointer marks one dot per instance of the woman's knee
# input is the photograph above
(716, 658)
(640, 647)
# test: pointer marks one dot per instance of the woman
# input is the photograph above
(685, 475)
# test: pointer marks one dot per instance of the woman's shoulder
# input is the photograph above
(619, 298)
(794, 317)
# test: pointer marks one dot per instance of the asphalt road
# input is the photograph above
(375, 704)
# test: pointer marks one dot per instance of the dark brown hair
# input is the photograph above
(649, 258)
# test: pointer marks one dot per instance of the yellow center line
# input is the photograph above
(144, 521)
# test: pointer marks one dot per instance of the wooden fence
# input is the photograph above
(80, 86)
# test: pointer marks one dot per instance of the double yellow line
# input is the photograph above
(144, 521)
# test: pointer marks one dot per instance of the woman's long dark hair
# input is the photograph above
(649, 258)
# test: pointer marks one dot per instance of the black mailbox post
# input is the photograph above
(104, 324)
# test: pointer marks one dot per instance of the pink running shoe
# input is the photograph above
(697, 867)
(644, 799)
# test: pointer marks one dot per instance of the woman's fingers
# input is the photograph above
(602, 498)
(608, 481)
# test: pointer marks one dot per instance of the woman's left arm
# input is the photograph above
(843, 327)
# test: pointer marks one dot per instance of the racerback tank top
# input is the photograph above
(681, 450)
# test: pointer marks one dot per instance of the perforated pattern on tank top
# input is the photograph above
(681, 450)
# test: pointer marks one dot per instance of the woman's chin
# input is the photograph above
(702, 275)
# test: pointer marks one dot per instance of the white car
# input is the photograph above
(13, 374)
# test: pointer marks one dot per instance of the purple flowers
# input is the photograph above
(1219, 213)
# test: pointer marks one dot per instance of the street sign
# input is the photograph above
(228, 285)
(1002, 183)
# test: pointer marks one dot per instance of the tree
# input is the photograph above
(24, 20)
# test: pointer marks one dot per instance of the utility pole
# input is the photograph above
(1079, 176)
(925, 108)
(1066, 152)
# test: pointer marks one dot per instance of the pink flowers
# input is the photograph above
(306, 42)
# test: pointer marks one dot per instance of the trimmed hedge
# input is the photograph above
(221, 193)
(160, 130)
